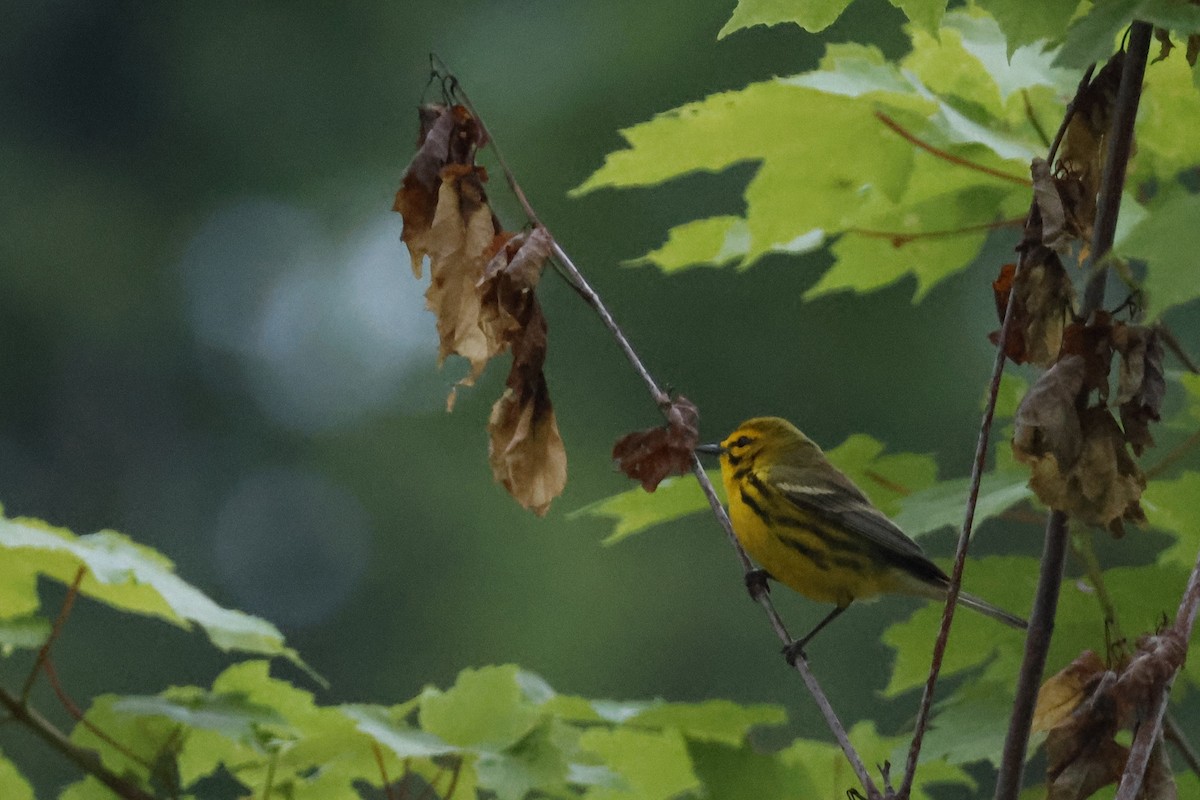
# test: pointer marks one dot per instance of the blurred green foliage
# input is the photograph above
(187, 192)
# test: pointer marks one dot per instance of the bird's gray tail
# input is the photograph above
(984, 607)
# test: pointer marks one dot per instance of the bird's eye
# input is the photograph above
(742, 441)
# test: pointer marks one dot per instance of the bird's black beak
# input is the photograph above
(710, 450)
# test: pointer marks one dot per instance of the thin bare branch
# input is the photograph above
(86, 760)
(1175, 734)
(1150, 730)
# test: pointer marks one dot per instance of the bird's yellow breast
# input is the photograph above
(823, 565)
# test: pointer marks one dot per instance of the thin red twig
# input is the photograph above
(78, 715)
(387, 784)
(899, 238)
(59, 622)
(948, 156)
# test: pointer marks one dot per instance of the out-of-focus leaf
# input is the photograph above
(1167, 240)
(13, 785)
(712, 721)
(746, 773)
(970, 726)
(485, 707)
(1025, 23)
(944, 504)
(535, 764)
(231, 715)
(129, 577)
(404, 741)
(653, 764)
(651, 455)
(703, 242)
(813, 16)
(635, 511)
(1171, 507)
(23, 633)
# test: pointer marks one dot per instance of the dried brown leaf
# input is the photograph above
(1081, 754)
(1165, 45)
(1142, 386)
(1047, 422)
(1081, 155)
(1050, 208)
(1064, 691)
(651, 455)
(525, 449)
(458, 242)
(448, 135)
(1043, 305)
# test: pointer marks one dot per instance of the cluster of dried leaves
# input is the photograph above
(482, 282)
(1078, 454)
(1086, 705)
(653, 454)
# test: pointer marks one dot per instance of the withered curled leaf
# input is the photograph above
(1081, 157)
(1141, 386)
(1078, 461)
(653, 454)
(525, 449)
(1047, 422)
(1050, 208)
(1064, 691)
(1043, 305)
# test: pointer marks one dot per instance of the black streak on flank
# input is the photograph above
(753, 505)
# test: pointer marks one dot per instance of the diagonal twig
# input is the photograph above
(662, 399)
(1150, 730)
(59, 622)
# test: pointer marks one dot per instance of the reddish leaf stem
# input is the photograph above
(86, 760)
(1037, 645)
(899, 239)
(59, 622)
(945, 155)
(576, 280)
(387, 784)
(77, 714)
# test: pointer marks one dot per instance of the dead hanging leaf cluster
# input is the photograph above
(482, 291)
(653, 454)
(1078, 454)
(1059, 227)
(1085, 706)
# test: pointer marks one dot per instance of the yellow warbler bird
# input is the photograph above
(810, 528)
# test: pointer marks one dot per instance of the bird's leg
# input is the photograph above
(756, 583)
(796, 648)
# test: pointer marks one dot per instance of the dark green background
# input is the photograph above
(166, 168)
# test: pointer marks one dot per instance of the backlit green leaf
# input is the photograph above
(1167, 241)
(485, 707)
(711, 721)
(813, 16)
(653, 765)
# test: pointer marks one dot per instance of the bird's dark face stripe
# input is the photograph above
(753, 505)
(732, 459)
